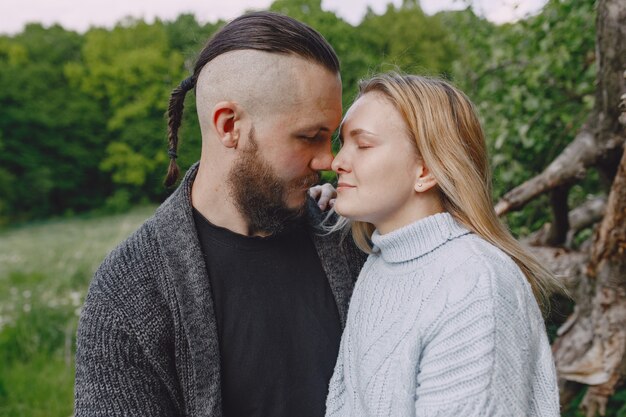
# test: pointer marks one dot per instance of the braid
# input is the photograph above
(175, 116)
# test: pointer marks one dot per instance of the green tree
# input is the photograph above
(50, 130)
(532, 82)
(130, 71)
(406, 38)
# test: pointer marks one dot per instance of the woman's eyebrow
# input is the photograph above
(354, 132)
(360, 131)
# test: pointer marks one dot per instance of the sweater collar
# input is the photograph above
(418, 238)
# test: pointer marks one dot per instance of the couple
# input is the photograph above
(232, 300)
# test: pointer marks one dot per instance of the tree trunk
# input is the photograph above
(591, 345)
(591, 348)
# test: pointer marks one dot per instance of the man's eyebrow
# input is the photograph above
(316, 128)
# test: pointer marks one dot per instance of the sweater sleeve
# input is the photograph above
(113, 375)
(477, 359)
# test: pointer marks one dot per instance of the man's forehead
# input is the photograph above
(320, 107)
(304, 120)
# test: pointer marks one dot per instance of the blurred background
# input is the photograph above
(83, 148)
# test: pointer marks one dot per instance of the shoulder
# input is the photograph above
(126, 284)
(127, 345)
(483, 324)
(473, 276)
(131, 263)
(473, 265)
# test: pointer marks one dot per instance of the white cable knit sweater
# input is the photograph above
(442, 323)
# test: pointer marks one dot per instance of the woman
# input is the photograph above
(444, 319)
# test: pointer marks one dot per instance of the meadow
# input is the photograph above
(45, 270)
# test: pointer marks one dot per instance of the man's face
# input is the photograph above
(259, 193)
(285, 150)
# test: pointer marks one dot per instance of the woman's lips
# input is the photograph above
(344, 186)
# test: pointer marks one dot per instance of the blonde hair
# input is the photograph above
(443, 124)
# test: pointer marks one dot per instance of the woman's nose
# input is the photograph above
(340, 162)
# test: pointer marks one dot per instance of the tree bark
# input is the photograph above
(585, 215)
(571, 165)
(591, 345)
(568, 266)
(591, 348)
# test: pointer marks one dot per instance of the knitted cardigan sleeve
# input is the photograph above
(125, 364)
(114, 376)
(480, 353)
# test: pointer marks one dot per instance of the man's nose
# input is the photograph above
(323, 158)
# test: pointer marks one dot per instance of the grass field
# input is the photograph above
(45, 270)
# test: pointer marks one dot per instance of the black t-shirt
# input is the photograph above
(278, 324)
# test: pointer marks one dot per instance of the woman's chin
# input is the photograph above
(340, 208)
(344, 211)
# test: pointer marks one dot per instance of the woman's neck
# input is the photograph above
(420, 207)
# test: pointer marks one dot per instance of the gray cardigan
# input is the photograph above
(147, 339)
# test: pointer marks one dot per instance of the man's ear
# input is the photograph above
(226, 116)
(424, 179)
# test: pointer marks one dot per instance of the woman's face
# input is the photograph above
(377, 165)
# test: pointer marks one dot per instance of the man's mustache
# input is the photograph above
(306, 182)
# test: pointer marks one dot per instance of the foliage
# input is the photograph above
(49, 131)
(83, 126)
(130, 72)
(533, 85)
(428, 50)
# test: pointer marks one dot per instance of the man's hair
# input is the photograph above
(261, 31)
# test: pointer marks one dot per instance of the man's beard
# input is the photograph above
(259, 194)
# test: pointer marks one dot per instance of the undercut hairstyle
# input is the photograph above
(260, 31)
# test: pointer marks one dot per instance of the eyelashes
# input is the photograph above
(315, 138)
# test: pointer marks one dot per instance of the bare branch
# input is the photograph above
(602, 133)
(570, 166)
(587, 213)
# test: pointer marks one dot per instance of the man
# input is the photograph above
(229, 300)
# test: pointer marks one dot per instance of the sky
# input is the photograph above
(79, 15)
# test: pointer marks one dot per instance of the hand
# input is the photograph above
(324, 195)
